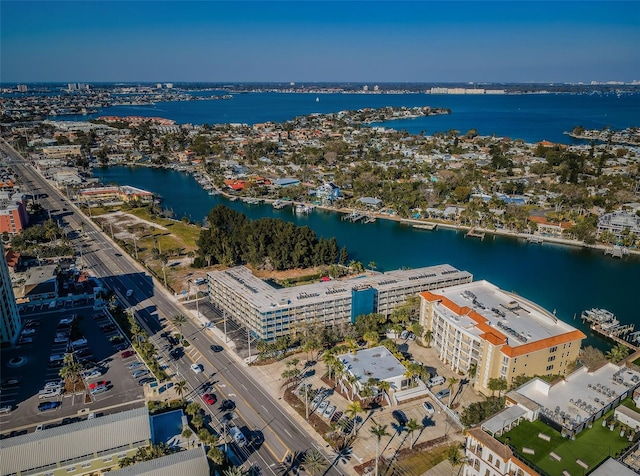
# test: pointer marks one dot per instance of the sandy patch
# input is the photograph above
(127, 223)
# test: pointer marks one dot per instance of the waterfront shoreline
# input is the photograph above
(451, 226)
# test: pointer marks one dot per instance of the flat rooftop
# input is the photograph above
(266, 298)
(581, 394)
(518, 319)
(377, 362)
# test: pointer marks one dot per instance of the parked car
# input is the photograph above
(108, 327)
(428, 408)
(404, 335)
(9, 382)
(28, 331)
(323, 406)
(329, 411)
(197, 368)
(411, 336)
(140, 373)
(6, 409)
(128, 353)
(48, 406)
(227, 405)
(102, 383)
(135, 365)
(146, 380)
(443, 393)
(92, 374)
(400, 417)
(176, 353)
(437, 380)
(209, 399)
(98, 390)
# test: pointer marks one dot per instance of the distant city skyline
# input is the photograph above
(330, 41)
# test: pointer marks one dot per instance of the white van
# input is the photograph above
(437, 380)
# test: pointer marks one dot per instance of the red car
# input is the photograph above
(128, 353)
(209, 399)
(97, 384)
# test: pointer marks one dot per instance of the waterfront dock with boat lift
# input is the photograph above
(604, 322)
(616, 251)
(475, 234)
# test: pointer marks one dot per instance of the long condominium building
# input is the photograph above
(270, 313)
(9, 317)
(500, 334)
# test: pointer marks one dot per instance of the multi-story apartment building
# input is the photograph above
(486, 456)
(619, 221)
(502, 335)
(9, 317)
(270, 313)
(13, 213)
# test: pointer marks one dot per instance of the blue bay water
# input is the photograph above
(561, 278)
(531, 117)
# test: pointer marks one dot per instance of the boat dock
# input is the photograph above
(535, 239)
(604, 322)
(369, 219)
(425, 226)
(354, 217)
(475, 234)
(279, 204)
(616, 335)
(616, 251)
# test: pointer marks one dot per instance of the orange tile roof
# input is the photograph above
(541, 344)
(496, 337)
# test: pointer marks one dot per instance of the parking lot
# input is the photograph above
(30, 371)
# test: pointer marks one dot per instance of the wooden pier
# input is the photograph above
(279, 204)
(354, 217)
(613, 335)
(475, 234)
(535, 239)
(426, 226)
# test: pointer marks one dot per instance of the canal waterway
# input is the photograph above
(562, 278)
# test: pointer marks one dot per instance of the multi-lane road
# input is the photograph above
(272, 431)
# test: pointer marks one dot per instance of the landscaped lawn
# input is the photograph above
(592, 446)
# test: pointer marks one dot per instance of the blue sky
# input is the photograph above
(455, 41)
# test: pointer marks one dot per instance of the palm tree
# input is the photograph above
(290, 463)
(329, 359)
(70, 371)
(314, 462)
(452, 382)
(454, 457)
(378, 431)
(352, 411)
(411, 426)
(617, 353)
(180, 387)
(383, 388)
(164, 259)
(472, 372)
(178, 320)
(236, 471)
(427, 336)
(216, 455)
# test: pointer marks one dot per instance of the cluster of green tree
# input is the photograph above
(233, 239)
(42, 241)
(146, 453)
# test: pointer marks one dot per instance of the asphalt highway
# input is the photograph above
(270, 430)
